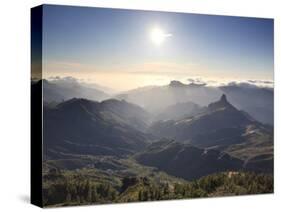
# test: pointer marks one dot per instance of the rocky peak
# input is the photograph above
(223, 98)
(222, 103)
(176, 83)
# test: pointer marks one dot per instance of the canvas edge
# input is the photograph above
(36, 107)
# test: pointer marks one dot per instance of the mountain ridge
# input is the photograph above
(187, 161)
(259, 106)
(88, 127)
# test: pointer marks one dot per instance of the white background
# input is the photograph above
(15, 106)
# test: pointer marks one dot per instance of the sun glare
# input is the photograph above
(158, 36)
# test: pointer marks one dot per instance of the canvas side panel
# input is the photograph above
(36, 105)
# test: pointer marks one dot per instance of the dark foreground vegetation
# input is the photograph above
(62, 188)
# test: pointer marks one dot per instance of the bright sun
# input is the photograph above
(158, 36)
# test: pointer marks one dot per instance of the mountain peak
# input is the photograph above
(176, 83)
(222, 103)
(223, 98)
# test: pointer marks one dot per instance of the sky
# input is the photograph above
(125, 49)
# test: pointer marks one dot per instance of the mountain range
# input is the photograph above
(158, 99)
(184, 139)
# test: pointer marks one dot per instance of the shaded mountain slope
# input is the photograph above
(85, 127)
(225, 128)
(187, 161)
(219, 115)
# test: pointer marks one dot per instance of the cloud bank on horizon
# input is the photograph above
(187, 81)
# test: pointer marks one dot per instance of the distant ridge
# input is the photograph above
(176, 83)
(257, 101)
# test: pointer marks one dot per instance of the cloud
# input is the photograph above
(242, 84)
(196, 80)
(261, 82)
(252, 84)
(224, 82)
(62, 79)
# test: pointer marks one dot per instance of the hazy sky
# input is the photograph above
(124, 49)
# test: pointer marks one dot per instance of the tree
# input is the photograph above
(127, 182)
(94, 194)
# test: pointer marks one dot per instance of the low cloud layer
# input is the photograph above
(242, 83)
